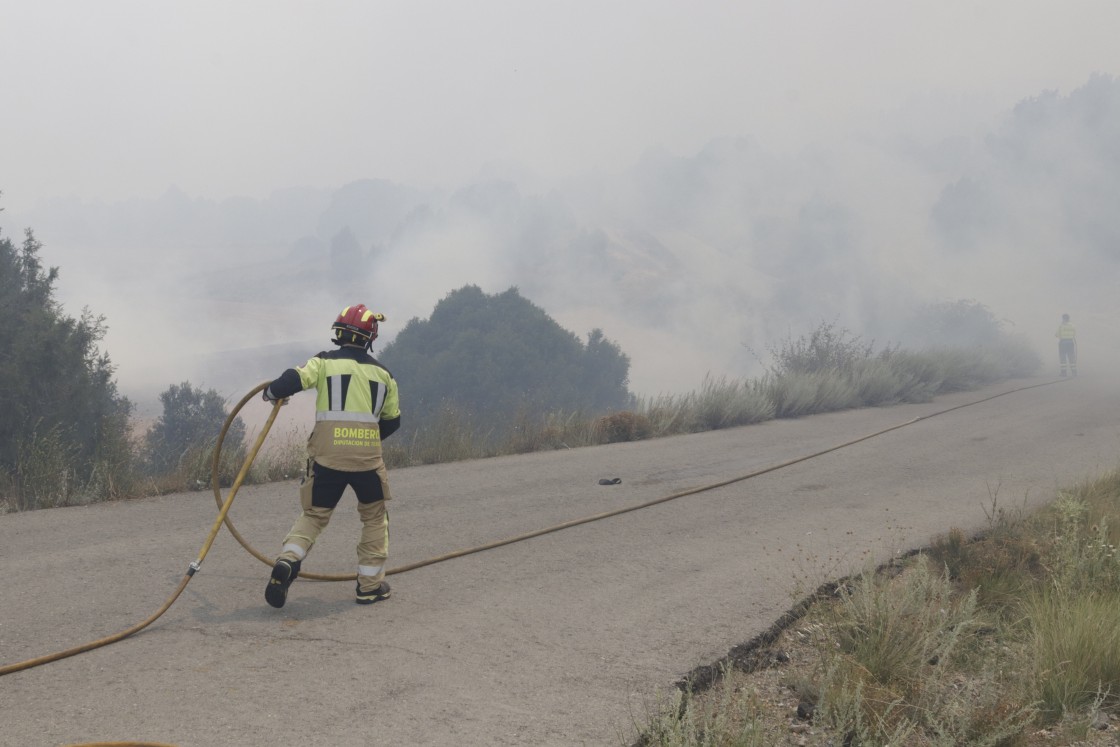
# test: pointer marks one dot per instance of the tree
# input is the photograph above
(493, 357)
(189, 427)
(606, 374)
(962, 323)
(62, 412)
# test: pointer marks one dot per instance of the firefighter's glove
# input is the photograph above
(266, 395)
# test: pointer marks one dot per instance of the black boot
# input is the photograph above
(381, 591)
(283, 574)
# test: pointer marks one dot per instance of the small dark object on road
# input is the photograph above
(610, 481)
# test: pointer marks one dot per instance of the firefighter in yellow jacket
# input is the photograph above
(356, 406)
(1067, 346)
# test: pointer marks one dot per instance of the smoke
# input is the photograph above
(694, 262)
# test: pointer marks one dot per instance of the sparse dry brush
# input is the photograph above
(1007, 639)
(622, 426)
(826, 370)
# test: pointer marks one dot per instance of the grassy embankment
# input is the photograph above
(823, 371)
(1009, 639)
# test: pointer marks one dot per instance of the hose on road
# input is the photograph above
(224, 505)
(191, 569)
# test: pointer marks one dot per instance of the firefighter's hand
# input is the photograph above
(267, 397)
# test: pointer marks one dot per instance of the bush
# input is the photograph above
(919, 376)
(622, 426)
(967, 325)
(558, 430)
(826, 348)
(964, 323)
(44, 476)
(723, 403)
(791, 394)
(1074, 650)
(64, 435)
(497, 356)
(181, 442)
(894, 674)
(895, 630)
(1018, 357)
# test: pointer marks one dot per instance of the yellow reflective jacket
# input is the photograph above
(1066, 332)
(356, 405)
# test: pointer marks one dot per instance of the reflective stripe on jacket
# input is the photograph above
(354, 393)
(1066, 332)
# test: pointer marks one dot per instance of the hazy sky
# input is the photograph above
(118, 99)
(124, 98)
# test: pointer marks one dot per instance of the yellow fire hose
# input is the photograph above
(191, 569)
(574, 522)
(214, 470)
(223, 517)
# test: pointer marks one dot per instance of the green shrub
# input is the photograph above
(726, 403)
(44, 472)
(894, 674)
(798, 394)
(835, 393)
(1018, 357)
(967, 369)
(181, 442)
(1083, 558)
(668, 414)
(920, 376)
(496, 355)
(1074, 649)
(686, 722)
(827, 348)
(894, 630)
(876, 382)
(64, 434)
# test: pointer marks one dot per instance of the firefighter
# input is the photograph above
(356, 407)
(1067, 346)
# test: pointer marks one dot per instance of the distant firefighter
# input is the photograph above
(1067, 346)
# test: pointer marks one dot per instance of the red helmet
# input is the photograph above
(356, 325)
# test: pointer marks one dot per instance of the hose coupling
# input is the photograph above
(193, 568)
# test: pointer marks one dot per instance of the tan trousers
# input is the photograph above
(373, 547)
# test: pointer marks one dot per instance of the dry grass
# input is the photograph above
(824, 371)
(1008, 639)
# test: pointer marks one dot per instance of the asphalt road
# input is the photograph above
(569, 638)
